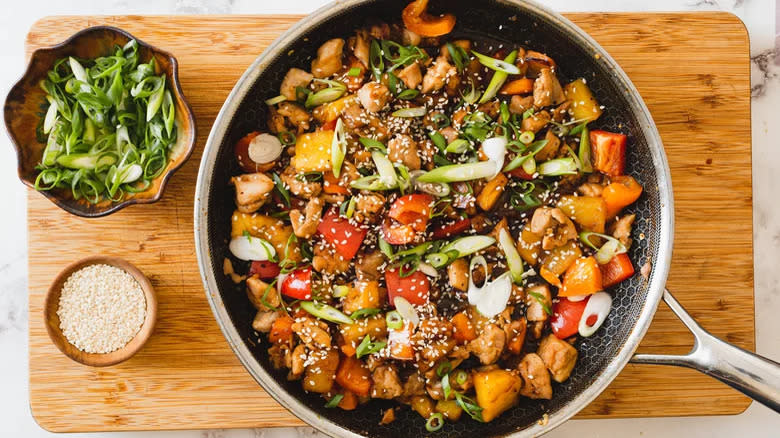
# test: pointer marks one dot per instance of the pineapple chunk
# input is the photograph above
(312, 152)
(583, 105)
(590, 212)
(268, 228)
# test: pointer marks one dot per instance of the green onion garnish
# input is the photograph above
(410, 112)
(440, 120)
(394, 320)
(286, 138)
(338, 148)
(376, 62)
(542, 301)
(558, 166)
(609, 249)
(367, 347)
(443, 368)
(458, 146)
(370, 143)
(274, 100)
(326, 312)
(503, 70)
(354, 71)
(334, 401)
(469, 406)
(526, 137)
(364, 313)
(468, 245)
(408, 94)
(584, 152)
(506, 66)
(386, 248)
(435, 422)
(459, 172)
(513, 259)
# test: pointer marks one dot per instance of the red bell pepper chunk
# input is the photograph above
(414, 210)
(520, 173)
(331, 185)
(297, 284)
(616, 270)
(241, 151)
(329, 126)
(566, 316)
(340, 233)
(264, 269)
(608, 152)
(414, 288)
(452, 229)
(397, 234)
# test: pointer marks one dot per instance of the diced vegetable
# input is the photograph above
(331, 185)
(312, 152)
(349, 401)
(268, 228)
(319, 375)
(590, 212)
(620, 193)
(281, 331)
(352, 334)
(595, 313)
(492, 191)
(341, 233)
(513, 260)
(582, 278)
(400, 343)
(497, 391)
(414, 210)
(331, 111)
(518, 86)
(584, 105)
(365, 295)
(608, 152)
(414, 288)
(463, 331)
(529, 245)
(417, 20)
(566, 316)
(297, 284)
(559, 259)
(618, 269)
(449, 409)
(264, 269)
(397, 234)
(354, 376)
(451, 229)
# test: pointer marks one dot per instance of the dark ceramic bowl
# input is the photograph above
(23, 112)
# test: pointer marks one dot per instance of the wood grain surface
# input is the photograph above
(692, 70)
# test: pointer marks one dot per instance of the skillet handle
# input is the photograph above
(755, 376)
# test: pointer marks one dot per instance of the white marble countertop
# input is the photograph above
(758, 15)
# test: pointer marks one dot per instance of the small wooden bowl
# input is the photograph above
(23, 105)
(98, 359)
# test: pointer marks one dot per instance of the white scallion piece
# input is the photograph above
(251, 248)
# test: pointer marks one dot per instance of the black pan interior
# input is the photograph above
(483, 21)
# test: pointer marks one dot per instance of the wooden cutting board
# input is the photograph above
(693, 71)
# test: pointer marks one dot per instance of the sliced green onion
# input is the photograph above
(440, 120)
(367, 347)
(521, 159)
(506, 66)
(286, 138)
(469, 406)
(354, 72)
(458, 55)
(51, 117)
(338, 148)
(408, 94)
(350, 208)
(340, 291)
(459, 172)
(324, 96)
(461, 377)
(473, 94)
(436, 189)
(326, 312)
(542, 301)
(85, 161)
(376, 62)
(435, 422)
(78, 70)
(385, 247)
(445, 384)
(370, 143)
(394, 320)
(364, 313)
(410, 112)
(155, 101)
(279, 185)
(584, 152)
(438, 140)
(513, 259)
(168, 112)
(385, 169)
(579, 128)
(609, 249)
(444, 368)
(529, 166)
(437, 259)
(372, 183)
(468, 245)
(334, 401)
(499, 77)
(406, 310)
(458, 146)
(275, 100)
(527, 137)
(558, 166)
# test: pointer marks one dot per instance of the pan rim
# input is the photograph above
(661, 260)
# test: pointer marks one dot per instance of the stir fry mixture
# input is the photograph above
(431, 221)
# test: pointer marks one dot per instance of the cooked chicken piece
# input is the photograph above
(276, 122)
(305, 224)
(414, 385)
(403, 149)
(411, 75)
(374, 96)
(590, 189)
(555, 227)
(280, 356)
(621, 229)
(387, 417)
(252, 190)
(558, 356)
(536, 379)
(261, 293)
(361, 46)
(491, 108)
(450, 134)
(537, 299)
(367, 266)
(298, 362)
(489, 344)
(536, 122)
(311, 333)
(519, 104)
(464, 44)
(326, 259)
(515, 334)
(458, 274)
(298, 185)
(328, 59)
(547, 89)
(409, 38)
(437, 75)
(436, 336)
(263, 320)
(298, 116)
(550, 150)
(368, 206)
(380, 31)
(354, 116)
(427, 150)
(387, 385)
(294, 78)
(561, 111)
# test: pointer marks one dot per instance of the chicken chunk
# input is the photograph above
(328, 59)
(367, 266)
(294, 78)
(368, 206)
(520, 104)
(547, 89)
(262, 295)
(414, 385)
(252, 190)
(555, 227)
(411, 75)
(298, 185)
(550, 150)
(436, 76)
(263, 320)
(361, 47)
(387, 417)
(327, 260)
(296, 115)
(311, 333)
(591, 189)
(298, 361)
(489, 344)
(536, 122)
(373, 96)
(537, 299)
(387, 385)
(558, 356)
(536, 379)
(305, 224)
(403, 149)
(621, 230)
(458, 274)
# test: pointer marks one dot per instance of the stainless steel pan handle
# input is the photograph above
(755, 376)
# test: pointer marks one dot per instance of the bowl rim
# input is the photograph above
(661, 259)
(179, 95)
(122, 354)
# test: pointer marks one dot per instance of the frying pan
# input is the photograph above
(602, 356)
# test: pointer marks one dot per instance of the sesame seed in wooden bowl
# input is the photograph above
(100, 310)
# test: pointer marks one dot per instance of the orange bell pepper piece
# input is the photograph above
(616, 270)
(400, 343)
(281, 331)
(582, 278)
(417, 19)
(352, 375)
(464, 330)
(349, 402)
(550, 276)
(620, 193)
(518, 86)
(331, 185)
